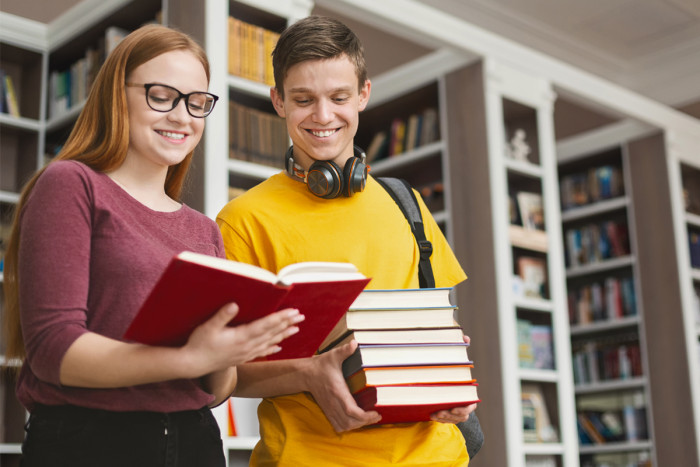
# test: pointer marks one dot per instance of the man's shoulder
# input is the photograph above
(252, 199)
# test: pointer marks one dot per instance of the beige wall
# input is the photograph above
(43, 11)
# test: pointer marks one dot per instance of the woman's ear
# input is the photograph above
(277, 102)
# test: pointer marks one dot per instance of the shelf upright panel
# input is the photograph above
(684, 179)
(487, 100)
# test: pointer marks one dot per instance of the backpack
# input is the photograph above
(401, 192)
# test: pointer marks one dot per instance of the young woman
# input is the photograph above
(92, 233)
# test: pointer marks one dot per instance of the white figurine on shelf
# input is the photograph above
(518, 148)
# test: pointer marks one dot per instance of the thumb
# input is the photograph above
(225, 314)
(344, 351)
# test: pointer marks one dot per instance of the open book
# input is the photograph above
(195, 286)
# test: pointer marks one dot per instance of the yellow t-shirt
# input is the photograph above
(280, 222)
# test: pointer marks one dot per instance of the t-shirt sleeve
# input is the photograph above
(237, 245)
(55, 238)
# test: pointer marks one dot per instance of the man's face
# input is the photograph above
(321, 106)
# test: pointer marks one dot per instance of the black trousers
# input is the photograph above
(69, 436)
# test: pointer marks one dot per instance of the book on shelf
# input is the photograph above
(406, 355)
(250, 51)
(194, 286)
(10, 95)
(533, 272)
(413, 403)
(587, 187)
(542, 346)
(537, 423)
(3, 97)
(412, 132)
(398, 137)
(610, 299)
(530, 210)
(535, 348)
(610, 359)
(113, 36)
(694, 248)
(378, 146)
(430, 126)
(526, 357)
(256, 136)
(397, 375)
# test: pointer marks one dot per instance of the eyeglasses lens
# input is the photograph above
(165, 98)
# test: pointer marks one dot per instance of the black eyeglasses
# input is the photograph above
(162, 98)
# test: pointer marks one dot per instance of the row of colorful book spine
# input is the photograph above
(250, 51)
(604, 300)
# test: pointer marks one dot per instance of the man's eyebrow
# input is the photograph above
(301, 90)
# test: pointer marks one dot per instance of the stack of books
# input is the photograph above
(411, 359)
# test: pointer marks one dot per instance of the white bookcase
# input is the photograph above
(489, 102)
(684, 175)
(482, 82)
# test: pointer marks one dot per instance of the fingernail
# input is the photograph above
(292, 330)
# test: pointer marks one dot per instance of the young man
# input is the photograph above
(324, 207)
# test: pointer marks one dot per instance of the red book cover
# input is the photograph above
(415, 403)
(194, 287)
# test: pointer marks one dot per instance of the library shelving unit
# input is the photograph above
(684, 176)
(501, 138)
(631, 354)
(423, 163)
(23, 59)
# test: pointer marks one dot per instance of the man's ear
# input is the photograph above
(364, 95)
(277, 102)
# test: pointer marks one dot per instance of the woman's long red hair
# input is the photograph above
(99, 139)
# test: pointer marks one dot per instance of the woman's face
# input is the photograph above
(163, 139)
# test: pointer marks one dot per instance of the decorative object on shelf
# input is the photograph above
(518, 148)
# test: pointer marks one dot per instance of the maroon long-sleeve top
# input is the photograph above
(89, 254)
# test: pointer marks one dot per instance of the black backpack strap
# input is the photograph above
(403, 195)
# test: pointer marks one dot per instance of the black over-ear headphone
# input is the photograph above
(326, 179)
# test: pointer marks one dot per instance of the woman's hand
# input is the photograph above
(327, 385)
(214, 345)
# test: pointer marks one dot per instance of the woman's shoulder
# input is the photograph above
(70, 169)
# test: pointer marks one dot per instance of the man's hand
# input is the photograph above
(329, 389)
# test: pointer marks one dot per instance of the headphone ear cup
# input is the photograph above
(355, 176)
(325, 179)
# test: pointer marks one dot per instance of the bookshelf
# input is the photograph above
(516, 268)
(23, 60)
(627, 329)
(684, 175)
(604, 310)
(417, 56)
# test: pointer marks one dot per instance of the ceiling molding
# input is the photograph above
(23, 32)
(418, 19)
(78, 18)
